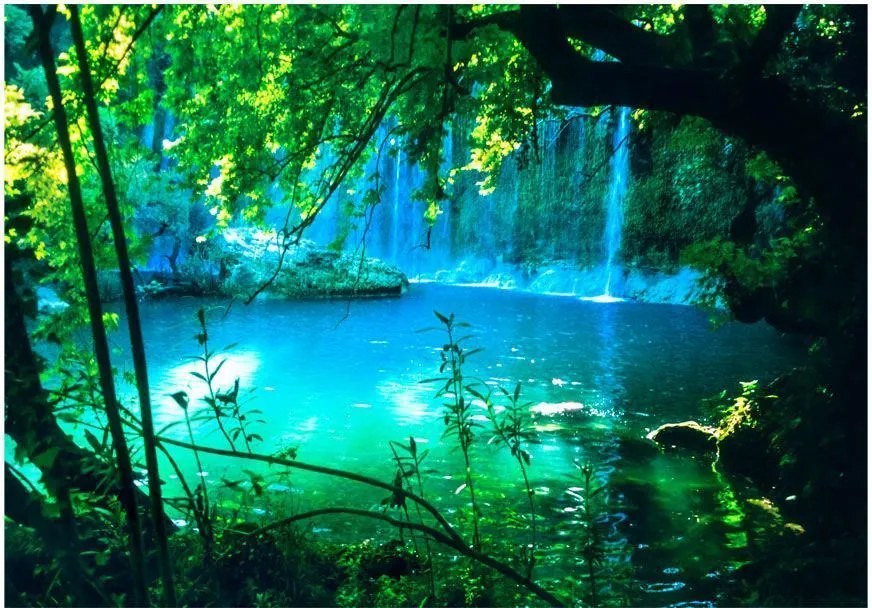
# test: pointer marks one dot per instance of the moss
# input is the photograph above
(688, 184)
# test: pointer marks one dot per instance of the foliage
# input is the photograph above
(513, 429)
(688, 183)
(458, 415)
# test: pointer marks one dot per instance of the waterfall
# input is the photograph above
(444, 221)
(620, 167)
(395, 215)
(617, 189)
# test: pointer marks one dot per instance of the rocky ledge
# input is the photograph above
(307, 271)
(250, 257)
(684, 286)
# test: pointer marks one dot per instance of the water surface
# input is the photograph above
(339, 381)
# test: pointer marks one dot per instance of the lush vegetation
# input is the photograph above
(135, 129)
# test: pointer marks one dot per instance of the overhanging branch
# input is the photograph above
(436, 535)
(779, 21)
(602, 28)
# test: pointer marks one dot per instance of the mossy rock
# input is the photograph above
(252, 256)
(636, 449)
(688, 436)
(744, 451)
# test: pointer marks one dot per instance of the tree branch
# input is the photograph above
(295, 464)
(507, 20)
(779, 21)
(602, 28)
(432, 533)
(806, 138)
(700, 28)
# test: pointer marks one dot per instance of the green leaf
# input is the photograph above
(95, 443)
(254, 477)
(217, 369)
(181, 397)
(46, 458)
(199, 376)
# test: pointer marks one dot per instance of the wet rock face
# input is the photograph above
(689, 436)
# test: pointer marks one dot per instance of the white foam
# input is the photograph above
(603, 299)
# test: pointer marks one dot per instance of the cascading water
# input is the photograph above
(395, 215)
(620, 167)
(617, 191)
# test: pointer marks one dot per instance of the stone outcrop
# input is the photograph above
(690, 436)
(252, 256)
(247, 259)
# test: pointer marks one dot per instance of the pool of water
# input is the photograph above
(338, 382)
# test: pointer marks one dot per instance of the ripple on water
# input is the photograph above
(611, 519)
(693, 604)
(663, 587)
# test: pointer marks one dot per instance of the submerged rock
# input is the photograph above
(689, 435)
(636, 449)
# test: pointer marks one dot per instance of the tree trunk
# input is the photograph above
(42, 27)
(131, 306)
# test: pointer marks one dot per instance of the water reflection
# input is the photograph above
(180, 377)
(611, 393)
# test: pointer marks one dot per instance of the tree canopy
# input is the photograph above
(221, 114)
(293, 96)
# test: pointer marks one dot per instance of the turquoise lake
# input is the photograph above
(339, 381)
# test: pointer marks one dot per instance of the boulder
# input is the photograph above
(744, 450)
(690, 436)
(251, 257)
(636, 449)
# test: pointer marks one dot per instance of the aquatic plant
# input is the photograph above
(590, 542)
(513, 429)
(199, 500)
(223, 404)
(458, 417)
(409, 466)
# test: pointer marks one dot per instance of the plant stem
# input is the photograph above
(426, 540)
(436, 535)
(296, 464)
(531, 562)
(205, 516)
(405, 508)
(463, 432)
(42, 27)
(213, 402)
(131, 306)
